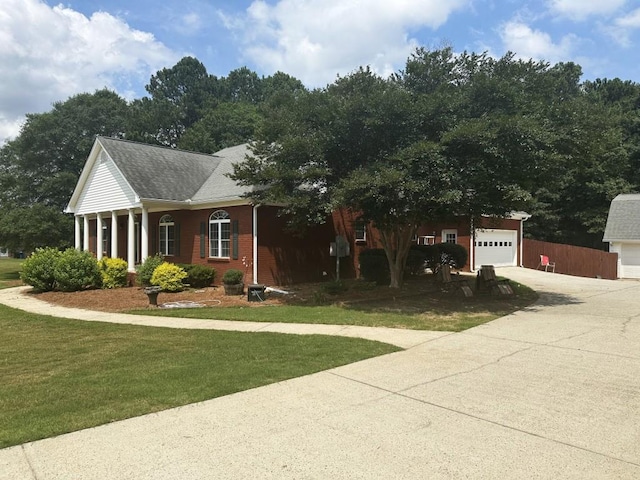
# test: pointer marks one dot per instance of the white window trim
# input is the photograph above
(219, 218)
(449, 231)
(105, 238)
(360, 227)
(163, 228)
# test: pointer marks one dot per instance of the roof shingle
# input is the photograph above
(623, 222)
(162, 173)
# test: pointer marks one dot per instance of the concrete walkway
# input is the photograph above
(549, 392)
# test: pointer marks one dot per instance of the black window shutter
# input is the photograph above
(107, 232)
(154, 240)
(234, 239)
(177, 239)
(203, 232)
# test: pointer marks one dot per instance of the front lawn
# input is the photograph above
(59, 375)
(10, 272)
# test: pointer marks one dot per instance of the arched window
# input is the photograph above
(219, 234)
(167, 233)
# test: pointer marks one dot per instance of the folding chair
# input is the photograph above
(544, 262)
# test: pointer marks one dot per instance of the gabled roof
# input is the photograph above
(156, 173)
(623, 222)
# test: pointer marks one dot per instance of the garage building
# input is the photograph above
(623, 234)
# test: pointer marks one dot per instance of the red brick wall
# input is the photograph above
(189, 222)
(284, 257)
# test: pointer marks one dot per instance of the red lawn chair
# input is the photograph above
(544, 262)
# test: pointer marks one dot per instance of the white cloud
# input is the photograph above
(50, 53)
(527, 43)
(581, 9)
(622, 28)
(315, 40)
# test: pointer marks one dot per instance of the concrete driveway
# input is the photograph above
(550, 392)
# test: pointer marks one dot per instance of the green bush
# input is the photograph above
(169, 277)
(434, 256)
(453, 254)
(374, 266)
(232, 277)
(145, 270)
(198, 276)
(76, 270)
(334, 287)
(38, 269)
(113, 271)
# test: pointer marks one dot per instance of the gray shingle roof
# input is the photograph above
(623, 222)
(218, 186)
(163, 173)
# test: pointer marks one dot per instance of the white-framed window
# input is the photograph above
(167, 233)
(219, 234)
(105, 238)
(360, 229)
(450, 236)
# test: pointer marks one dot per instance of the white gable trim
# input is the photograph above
(101, 186)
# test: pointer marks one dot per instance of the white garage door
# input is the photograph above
(630, 260)
(496, 247)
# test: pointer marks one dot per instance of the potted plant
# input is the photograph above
(233, 282)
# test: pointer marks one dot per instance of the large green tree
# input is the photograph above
(40, 167)
(382, 148)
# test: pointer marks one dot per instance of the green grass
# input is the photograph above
(10, 272)
(428, 311)
(59, 375)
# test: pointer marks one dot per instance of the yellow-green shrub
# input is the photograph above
(169, 277)
(113, 271)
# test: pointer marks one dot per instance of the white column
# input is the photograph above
(99, 234)
(255, 243)
(144, 235)
(77, 233)
(114, 235)
(85, 236)
(131, 242)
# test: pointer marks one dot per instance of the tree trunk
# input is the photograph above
(396, 242)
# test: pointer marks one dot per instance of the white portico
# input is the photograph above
(106, 208)
(120, 184)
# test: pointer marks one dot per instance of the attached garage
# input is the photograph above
(496, 247)
(623, 234)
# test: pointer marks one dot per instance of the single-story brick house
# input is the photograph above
(623, 233)
(133, 200)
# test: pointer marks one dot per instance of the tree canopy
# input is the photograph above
(384, 149)
(448, 134)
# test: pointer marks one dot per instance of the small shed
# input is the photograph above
(623, 233)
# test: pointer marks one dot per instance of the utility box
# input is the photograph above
(255, 293)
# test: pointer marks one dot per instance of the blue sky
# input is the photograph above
(51, 50)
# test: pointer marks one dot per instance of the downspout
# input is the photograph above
(472, 247)
(255, 243)
(523, 218)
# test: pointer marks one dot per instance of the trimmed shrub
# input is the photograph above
(145, 270)
(434, 256)
(232, 276)
(169, 277)
(38, 269)
(114, 272)
(453, 255)
(374, 266)
(198, 276)
(75, 270)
